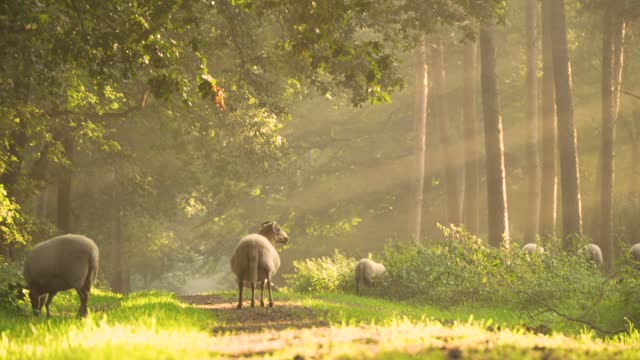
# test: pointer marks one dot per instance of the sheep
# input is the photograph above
(635, 252)
(532, 248)
(367, 271)
(593, 253)
(61, 263)
(255, 259)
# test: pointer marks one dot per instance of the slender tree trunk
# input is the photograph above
(117, 245)
(42, 201)
(421, 139)
(119, 281)
(494, 145)
(605, 222)
(64, 189)
(472, 147)
(634, 134)
(619, 32)
(533, 161)
(441, 108)
(549, 179)
(567, 137)
(611, 70)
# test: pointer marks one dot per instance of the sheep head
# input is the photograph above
(272, 231)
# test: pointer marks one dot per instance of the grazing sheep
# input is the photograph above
(255, 259)
(592, 253)
(532, 248)
(635, 252)
(58, 264)
(366, 272)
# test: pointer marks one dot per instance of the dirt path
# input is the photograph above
(251, 332)
(284, 315)
(259, 332)
(292, 331)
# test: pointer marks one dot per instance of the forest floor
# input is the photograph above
(159, 325)
(300, 328)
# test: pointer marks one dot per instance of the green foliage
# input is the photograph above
(459, 270)
(11, 220)
(12, 292)
(326, 274)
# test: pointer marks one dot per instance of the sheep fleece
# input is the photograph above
(255, 247)
(366, 270)
(62, 263)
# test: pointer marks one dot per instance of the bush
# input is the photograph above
(12, 291)
(327, 274)
(459, 269)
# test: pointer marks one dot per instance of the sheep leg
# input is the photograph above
(262, 293)
(269, 288)
(357, 288)
(84, 296)
(48, 303)
(240, 287)
(41, 300)
(253, 294)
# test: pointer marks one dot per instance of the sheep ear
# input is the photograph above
(265, 223)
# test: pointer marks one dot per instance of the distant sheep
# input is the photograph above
(255, 259)
(532, 248)
(592, 253)
(635, 252)
(366, 272)
(58, 264)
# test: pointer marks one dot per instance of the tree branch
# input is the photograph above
(113, 115)
(630, 94)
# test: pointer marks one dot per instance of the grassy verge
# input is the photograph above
(141, 325)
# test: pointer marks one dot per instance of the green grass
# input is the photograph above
(147, 325)
(156, 325)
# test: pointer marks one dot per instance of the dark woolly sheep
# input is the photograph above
(366, 272)
(532, 248)
(255, 259)
(64, 262)
(593, 253)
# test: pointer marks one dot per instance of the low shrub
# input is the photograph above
(12, 292)
(327, 274)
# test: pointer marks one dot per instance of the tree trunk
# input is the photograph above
(64, 189)
(472, 147)
(619, 31)
(119, 276)
(549, 178)
(494, 147)
(421, 140)
(612, 28)
(567, 137)
(533, 162)
(117, 253)
(441, 111)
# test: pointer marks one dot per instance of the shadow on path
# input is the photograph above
(284, 315)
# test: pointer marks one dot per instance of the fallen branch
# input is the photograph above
(573, 319)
